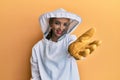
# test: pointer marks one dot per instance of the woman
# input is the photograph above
(50, 58)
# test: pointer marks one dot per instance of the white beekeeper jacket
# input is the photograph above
(51, 60)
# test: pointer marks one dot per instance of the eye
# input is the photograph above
(57, 23)
(66, 24)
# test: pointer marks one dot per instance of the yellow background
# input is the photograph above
(20, 30)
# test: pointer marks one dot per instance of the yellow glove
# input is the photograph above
(82, 47)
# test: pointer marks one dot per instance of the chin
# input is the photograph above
(58, 35)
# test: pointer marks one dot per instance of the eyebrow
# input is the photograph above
(57, 21)
(60, 21)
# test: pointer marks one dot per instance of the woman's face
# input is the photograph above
(59, 26)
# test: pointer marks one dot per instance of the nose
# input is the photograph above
(62, 27)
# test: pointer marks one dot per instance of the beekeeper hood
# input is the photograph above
(75, 20)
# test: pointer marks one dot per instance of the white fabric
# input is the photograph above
(51, 60)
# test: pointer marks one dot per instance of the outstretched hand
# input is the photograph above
(82, 47)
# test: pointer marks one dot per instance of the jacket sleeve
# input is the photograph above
(34, 66)
(71, 39)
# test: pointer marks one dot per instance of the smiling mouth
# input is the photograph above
(59, 32)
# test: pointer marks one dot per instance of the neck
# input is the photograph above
(54, 38)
